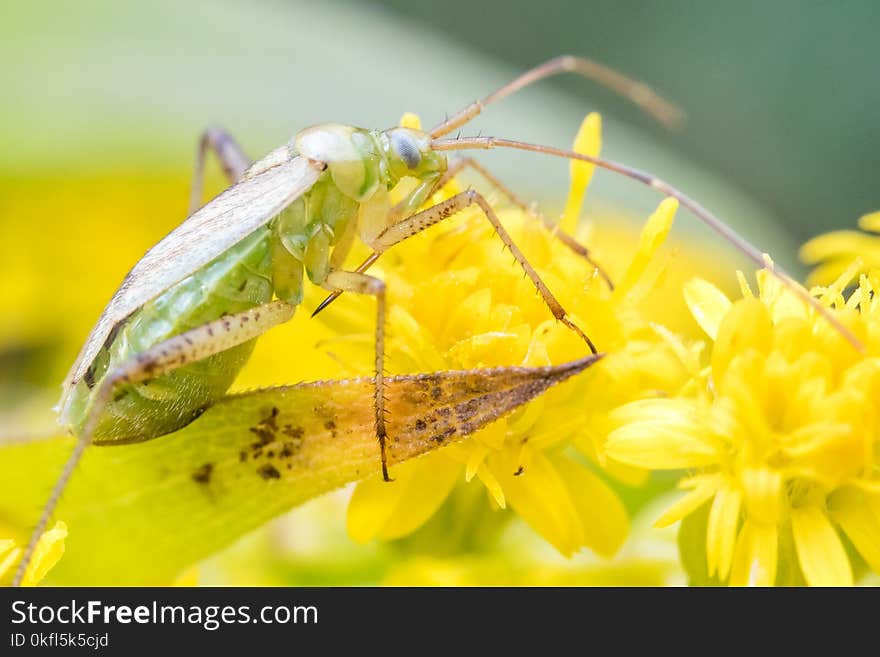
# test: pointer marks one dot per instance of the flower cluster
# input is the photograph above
(780, 436)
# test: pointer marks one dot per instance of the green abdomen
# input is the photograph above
(237, 280)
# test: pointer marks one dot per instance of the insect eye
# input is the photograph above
(406, 149)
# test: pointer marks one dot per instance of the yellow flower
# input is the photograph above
(780, 436)
(49, 550)
(834, 251)
(457, 301)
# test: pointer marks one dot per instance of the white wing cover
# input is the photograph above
(204, 235)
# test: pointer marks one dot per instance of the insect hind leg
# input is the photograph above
(233, 160)
(189, 347)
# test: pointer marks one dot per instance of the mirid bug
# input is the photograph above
(182, 323)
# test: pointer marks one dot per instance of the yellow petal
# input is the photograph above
(870, 222)
(492, 486)
(652, 236)
(744, 286)
(588, 142)
(467, 318)
(849, 509)
(707, 304)
(659, 434)
(388, 510)
(9, 556)
(838, 243)
(745, 326)
(763, 494)
(687, 355)
(604, 520)
(540, 497)
(722, 530)
(48, 551)
(846, 276)
(827, 271)
(659, 447)
(706, 488)
(755, 557)
(371, 505)
(782, 302)
(820, 552)
(411, 121)
(475, 460)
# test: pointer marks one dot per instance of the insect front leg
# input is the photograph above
(352, 281)
(193, 345)
(233, 160)
(528, 208)
(437, 213)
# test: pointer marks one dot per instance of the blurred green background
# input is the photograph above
(782, 97)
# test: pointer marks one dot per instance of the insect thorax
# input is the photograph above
(349, 200)
(362, 161)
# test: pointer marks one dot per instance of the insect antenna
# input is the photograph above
(638, 93)
(716, 224)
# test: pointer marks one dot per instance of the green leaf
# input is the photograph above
(138, 514)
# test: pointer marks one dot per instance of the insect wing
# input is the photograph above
(204, 235)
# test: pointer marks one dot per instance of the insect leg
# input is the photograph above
(741, 244)
(422, 220)
(638, 93)
(233, 160)
(402, 209)
(352, 281)
(193, 345)
(528, 208)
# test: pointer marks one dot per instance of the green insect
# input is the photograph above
(183, 322)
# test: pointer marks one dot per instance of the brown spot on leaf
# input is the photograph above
(293, 432)
(202, 474)
(264, 434)
(443, 435)
(290, 447)
(266, 429)
(268, 471)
